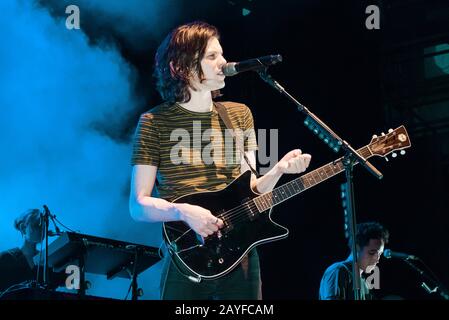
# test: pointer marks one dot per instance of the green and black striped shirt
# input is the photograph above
(192, 150)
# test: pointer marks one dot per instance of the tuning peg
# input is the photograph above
(374, 136)
(383, 133)
(394, 154)
(390, 130)
(386, 159)
(402, 152)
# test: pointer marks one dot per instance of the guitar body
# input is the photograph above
(218, 254)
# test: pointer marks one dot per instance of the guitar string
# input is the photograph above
(249, 207)
(237, 210)
(246, 210)
(240, 213)
(234, 213)
(302, 186)
(242, 210)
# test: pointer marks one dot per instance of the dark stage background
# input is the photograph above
(360, 82)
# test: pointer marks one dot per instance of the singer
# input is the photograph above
(336, 283)
(189, 74)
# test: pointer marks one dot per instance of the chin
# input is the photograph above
(220, 84)
(370, 269)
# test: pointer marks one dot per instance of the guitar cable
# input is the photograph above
(196, 279)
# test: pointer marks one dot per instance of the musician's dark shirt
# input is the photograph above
(336, 283)
(14, 268)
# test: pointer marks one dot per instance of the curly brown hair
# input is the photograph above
(178, 58)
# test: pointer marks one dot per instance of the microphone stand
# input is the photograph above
(350, 158)
(438, 287)
(46, 217)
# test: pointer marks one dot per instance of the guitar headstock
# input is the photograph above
(394, 140)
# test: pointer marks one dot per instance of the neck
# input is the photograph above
(200, 101)
(29, 248)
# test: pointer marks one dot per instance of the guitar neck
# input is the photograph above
(298, 185)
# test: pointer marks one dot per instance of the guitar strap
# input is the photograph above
(223, 113)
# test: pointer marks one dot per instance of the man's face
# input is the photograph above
(33, 231)
(211, 65)
(370, 255)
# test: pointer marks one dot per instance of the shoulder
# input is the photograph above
(153, 117)
(235, 106)
(10, 254)
(337, 269)
(239, 112)
(157, 111)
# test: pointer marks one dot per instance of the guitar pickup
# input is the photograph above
(251, 210)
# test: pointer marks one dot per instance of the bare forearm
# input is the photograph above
(150, 209)
(201, 220)
(267, 182)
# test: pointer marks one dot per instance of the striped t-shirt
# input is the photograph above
(192, 150)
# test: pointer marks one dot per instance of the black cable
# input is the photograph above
(40, 251)
(175, 263)
(17, 286)
(133, 273)
(67, 228)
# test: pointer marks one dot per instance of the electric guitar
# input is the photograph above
(247, 215)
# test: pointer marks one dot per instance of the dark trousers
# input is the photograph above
(243, 283)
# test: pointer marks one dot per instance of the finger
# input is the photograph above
(213, 228)
(295, 164)
(307, 158)
(299, 165)
(213, 220)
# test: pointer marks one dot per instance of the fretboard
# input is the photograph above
(298, 185)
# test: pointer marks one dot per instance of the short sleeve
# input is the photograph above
(146, 143)
(249, 131)
(333, 284)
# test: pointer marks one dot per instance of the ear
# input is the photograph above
(172, 70)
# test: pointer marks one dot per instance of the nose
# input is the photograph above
(222, 62)
(379, 254)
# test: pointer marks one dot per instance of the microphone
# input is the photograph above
(399, 255)
(257, 64)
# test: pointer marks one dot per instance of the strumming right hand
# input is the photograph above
(201, 220)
